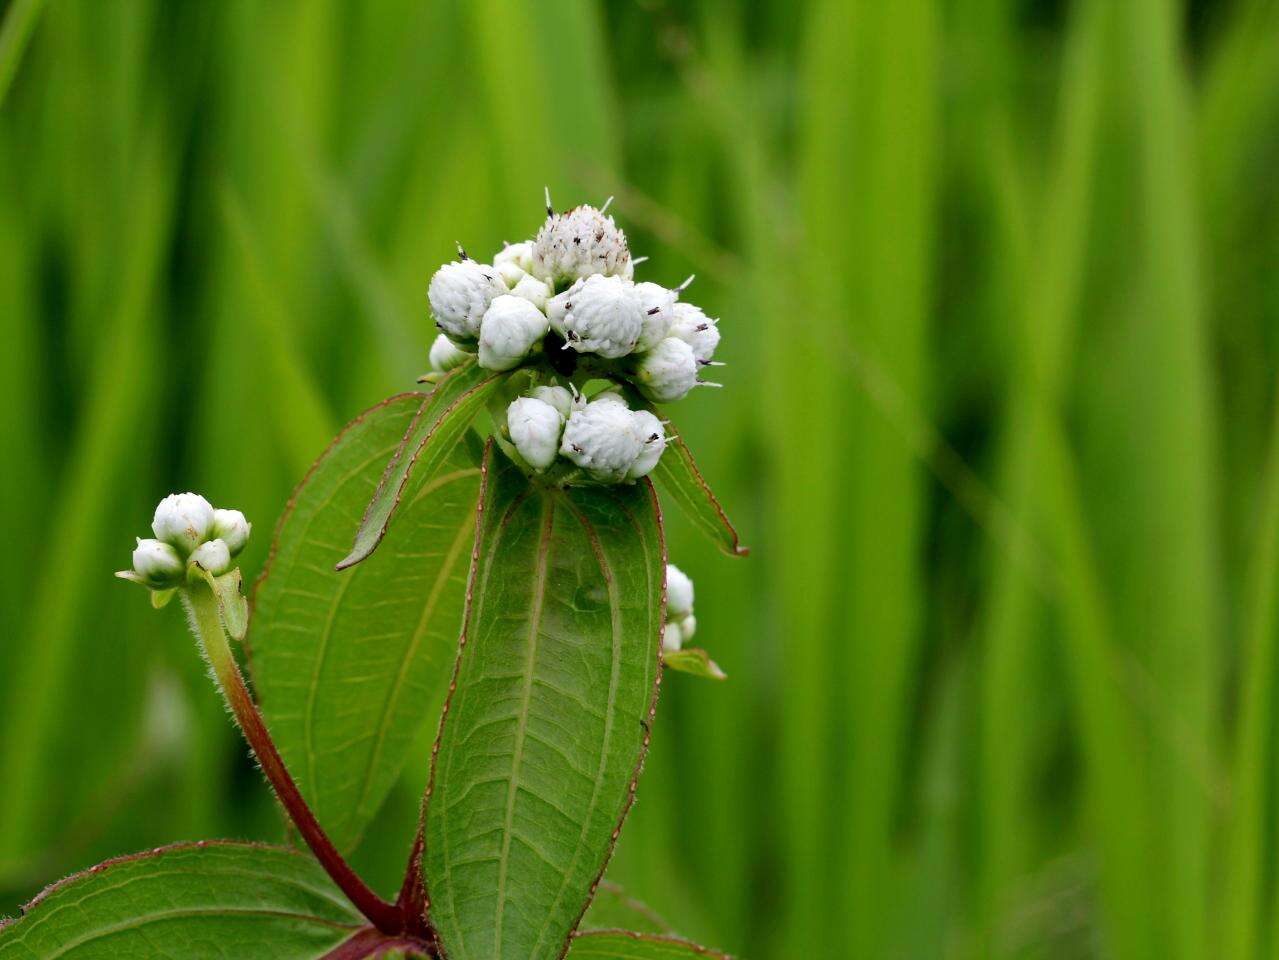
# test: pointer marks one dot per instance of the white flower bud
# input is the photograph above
(231, 528)
(459, 293)
(510, 273)
(657, 303)
(599, 315)
(667, 372)
(535, 427)
(652, 438)
(183, 520)
(679, 593)
(557, 397)
(696, 329)
(579, 243)
(510, 328)
(518, 255)
(672, 638)
(610, 396)
(688, 627)
(156, 562)
(598, 437)
(444, 354)
(213, 556)
(533, 290)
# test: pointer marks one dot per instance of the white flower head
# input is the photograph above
(667, 372)
(213, 556)
(444, 354)
(518, 255)
(601, 315)
(508, 331)
(582, 242)
(183, 520)
(652, 437)
(672, 638)
(679, 593)
(557, 397)
(533, 290)
(231, 528)
(598, 437)
(460, 292)
(657, 302)
(535, 428)
(696, 329)
(156, 562)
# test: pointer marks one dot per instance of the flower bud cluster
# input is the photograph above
(189, 532)
(601, 436)
(575, 279)
(680, 622)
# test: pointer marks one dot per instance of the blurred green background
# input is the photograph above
(999, 282)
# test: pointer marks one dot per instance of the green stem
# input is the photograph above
(202, 608)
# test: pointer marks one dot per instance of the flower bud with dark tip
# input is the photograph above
(657, 302)
(535, 427)
(460, 292)
(509, 329)
(598, 437)
(667, 372)
(696, 329)
(600, 315)
(652, 437)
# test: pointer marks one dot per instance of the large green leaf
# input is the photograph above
(678, 475)
(543, 738)
(625, 945)
(211, 900)
(348, 666)
(446, 414)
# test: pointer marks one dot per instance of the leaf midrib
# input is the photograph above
(526, 696)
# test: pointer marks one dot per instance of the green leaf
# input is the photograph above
(678, 475)
(446, 414)
(349, 666)
(696, 661)
(613, 909)
(214, 899)
(543, 738)
(626, 945)
(233, 609)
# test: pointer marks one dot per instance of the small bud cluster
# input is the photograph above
(573, 279)
(189, 533)
(680, 622)
(601, 436)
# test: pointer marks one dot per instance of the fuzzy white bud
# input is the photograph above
(510, 273)
(213, 556)
(657, 302)
(156, 562)
(183, 520)
(598, 437)
(557, 397)
(652, 437)
(535, 427)
(578, 244)
(518, 255)
(696, 329)
(600, 315)
(679, 593)
(688, 627)
(231, 528)
(510, 328)
(533, 290)
(672, 638)
(667, 372)
(444, 354)
(460, 293)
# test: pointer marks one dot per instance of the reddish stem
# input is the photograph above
(388, 918)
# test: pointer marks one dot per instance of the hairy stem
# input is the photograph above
(202, 609)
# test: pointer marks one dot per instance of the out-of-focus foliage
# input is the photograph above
(1000, 288)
